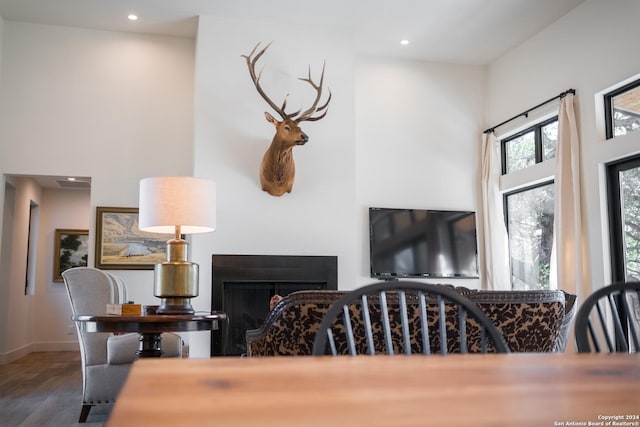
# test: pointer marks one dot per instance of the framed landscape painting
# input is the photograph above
(71, 249)
(120, 245)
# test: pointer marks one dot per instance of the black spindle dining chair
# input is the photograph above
(611, 316)
(403, 317)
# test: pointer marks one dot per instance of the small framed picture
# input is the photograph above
(71, 249)
(120, 245)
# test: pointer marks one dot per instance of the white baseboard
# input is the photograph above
(57, 346)
(36, 347)
(15, 354)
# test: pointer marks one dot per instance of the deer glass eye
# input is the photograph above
(287, 128)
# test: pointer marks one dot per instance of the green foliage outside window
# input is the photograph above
(530, 226)
(630, 203)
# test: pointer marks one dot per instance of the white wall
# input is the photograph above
(395, 130)
(231, 135)
(19, 319)
(417, 140)
(4, 243)
(590, 49)
(8, 208)
(38, 320)
(1, 35)
(60, 209)
(111, 106)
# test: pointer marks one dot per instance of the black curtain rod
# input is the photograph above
(526, 113)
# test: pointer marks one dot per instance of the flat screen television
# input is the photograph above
(422, 243)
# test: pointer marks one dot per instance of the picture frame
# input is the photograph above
(70, 249)
(121, 245)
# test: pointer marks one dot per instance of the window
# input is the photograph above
(529, 209)
(529, 215)
(533, 145)
(622, 110)
(623, 180)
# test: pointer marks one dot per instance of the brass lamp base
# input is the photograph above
(176, 280)
(175, 306)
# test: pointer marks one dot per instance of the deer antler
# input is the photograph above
(307, 115)
(251, 64)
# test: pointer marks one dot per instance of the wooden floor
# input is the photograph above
(45, 389)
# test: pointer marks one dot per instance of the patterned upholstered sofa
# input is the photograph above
(531, 321)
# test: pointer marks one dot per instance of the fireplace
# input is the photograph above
(242, 286)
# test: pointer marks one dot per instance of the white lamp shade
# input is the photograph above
(166, 202)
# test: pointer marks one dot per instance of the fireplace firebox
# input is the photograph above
(242, 286)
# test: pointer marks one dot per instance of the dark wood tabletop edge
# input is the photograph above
(202, 316)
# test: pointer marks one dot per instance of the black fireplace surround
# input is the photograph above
(242, 286)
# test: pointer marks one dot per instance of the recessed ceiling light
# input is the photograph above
(71, 179)
(404, 42)
(133, 17)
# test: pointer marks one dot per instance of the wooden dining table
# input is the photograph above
(477, 390)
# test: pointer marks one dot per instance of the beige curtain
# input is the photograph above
(495, 271)
(567, 256)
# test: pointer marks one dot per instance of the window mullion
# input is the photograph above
(538, 142)
(503, 156)
(608, 117)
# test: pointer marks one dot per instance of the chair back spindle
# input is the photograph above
(424, 326)
(367, 323)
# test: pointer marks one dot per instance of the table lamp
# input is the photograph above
(179, 205)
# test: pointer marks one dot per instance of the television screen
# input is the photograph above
(422, 243)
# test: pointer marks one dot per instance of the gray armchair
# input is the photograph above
(106, 358)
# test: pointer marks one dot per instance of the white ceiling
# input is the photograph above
(456, 31)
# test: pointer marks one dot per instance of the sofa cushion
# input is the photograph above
(290, 328)
(529, 320)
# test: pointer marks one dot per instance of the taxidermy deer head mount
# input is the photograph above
(277, 171)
